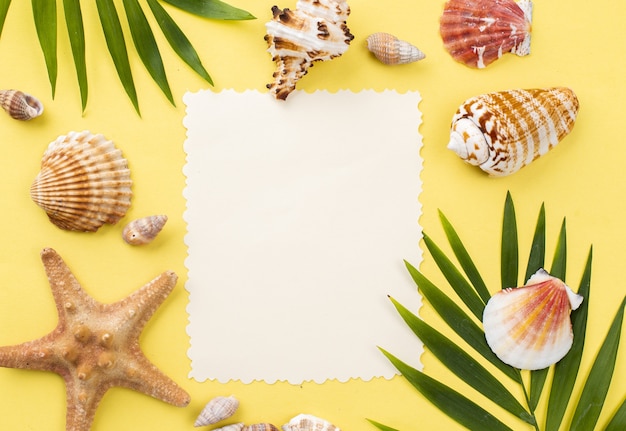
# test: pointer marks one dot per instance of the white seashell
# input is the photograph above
(315, 31)
(143, 230)
(217, 409)
(232, 427)
(478, 32)
(388, 49)
(260, 427)
(20, 105)
(304, 422)
(504, 131)
(84, 182)
(529, 327)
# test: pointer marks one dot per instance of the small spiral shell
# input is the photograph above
(390, 50)
(20, 105)
(143, 230)
(216, 410)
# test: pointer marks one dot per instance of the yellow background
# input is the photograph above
(577, 44)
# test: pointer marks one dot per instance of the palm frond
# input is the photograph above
(461, 363)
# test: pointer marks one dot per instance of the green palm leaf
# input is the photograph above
(45, 16)
(537, 256)
(4, 8)
(618, 422)
(211, 9)
(509, 249)
(76, 33)
(381, 426)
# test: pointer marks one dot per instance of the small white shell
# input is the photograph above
(304, 422)
(390, 50)
(529, 327)
(20, 105)
(143, 230)
(260, 427)
(217, 409)
(232, 427)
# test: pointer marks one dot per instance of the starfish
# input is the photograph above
(96, 346)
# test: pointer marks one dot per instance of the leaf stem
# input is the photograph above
(530, 407)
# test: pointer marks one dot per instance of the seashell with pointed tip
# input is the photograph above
(84, 182)
(232, 427)
(216, 410)
(143, 230)
(478, 32)
(315, 31)
(529, 327)
(20, 105)
(260, 427)
(504, 131)
(304, 422)
(390, 50)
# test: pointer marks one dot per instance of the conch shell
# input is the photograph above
(304, 422)
(84, 182)
(502, 132)
(20, 105)
(216, 410)
(315, 31)
(388, 49)
(529, 327)
(478, 32)
(144, 230)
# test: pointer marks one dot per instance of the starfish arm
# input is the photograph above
(82, 403)
(38, 354)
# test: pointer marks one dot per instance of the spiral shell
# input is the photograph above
(478, 32)
(304, 422)
(216, 410)
(315, 31)
(84, 182)
(388, 49)
(20, 105)
(502, 132)
(529, 327)
(144, 230)
(260, 427)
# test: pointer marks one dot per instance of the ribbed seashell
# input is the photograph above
(529, 327)
(232, 427)
(143, 230)
(216, 410)
(388, 49)
(84, 182)
(304, 422)
(478, 32)
(260, 427)
(502, 132)
(20, 105)
(315, 31)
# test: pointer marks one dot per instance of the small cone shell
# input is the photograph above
(144, 230)
(84, 182)
(390, 50)
(20, 105)
(529, 327)
(504, 131)
(216, 410)
(304, 422)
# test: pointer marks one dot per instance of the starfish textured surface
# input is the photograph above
(96, 346)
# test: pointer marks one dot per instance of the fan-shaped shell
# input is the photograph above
(143, 230)
(388, 49)
(260, 427)
(20, 105)
(502, 132)
(84, 182)
(478, 32)
(315, 31)
(529, 327)
(304, 422)
(216, 410)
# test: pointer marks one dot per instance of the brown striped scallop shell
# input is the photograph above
(84, 182)
(20, 105)
(504, 131)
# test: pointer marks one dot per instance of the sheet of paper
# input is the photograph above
(300, 214)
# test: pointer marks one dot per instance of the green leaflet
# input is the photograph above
(117, 47)
(464, 259)
(45, 16)
(456, 406)
(618, 421)
(537, 256)
(146, 46)
(597, 385)
(211, 9)
(381, 426)
(463, 365)
(76, 33)
(509, 249)
(178, 41)
(4, 8)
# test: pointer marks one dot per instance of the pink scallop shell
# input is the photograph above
(477, 33)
